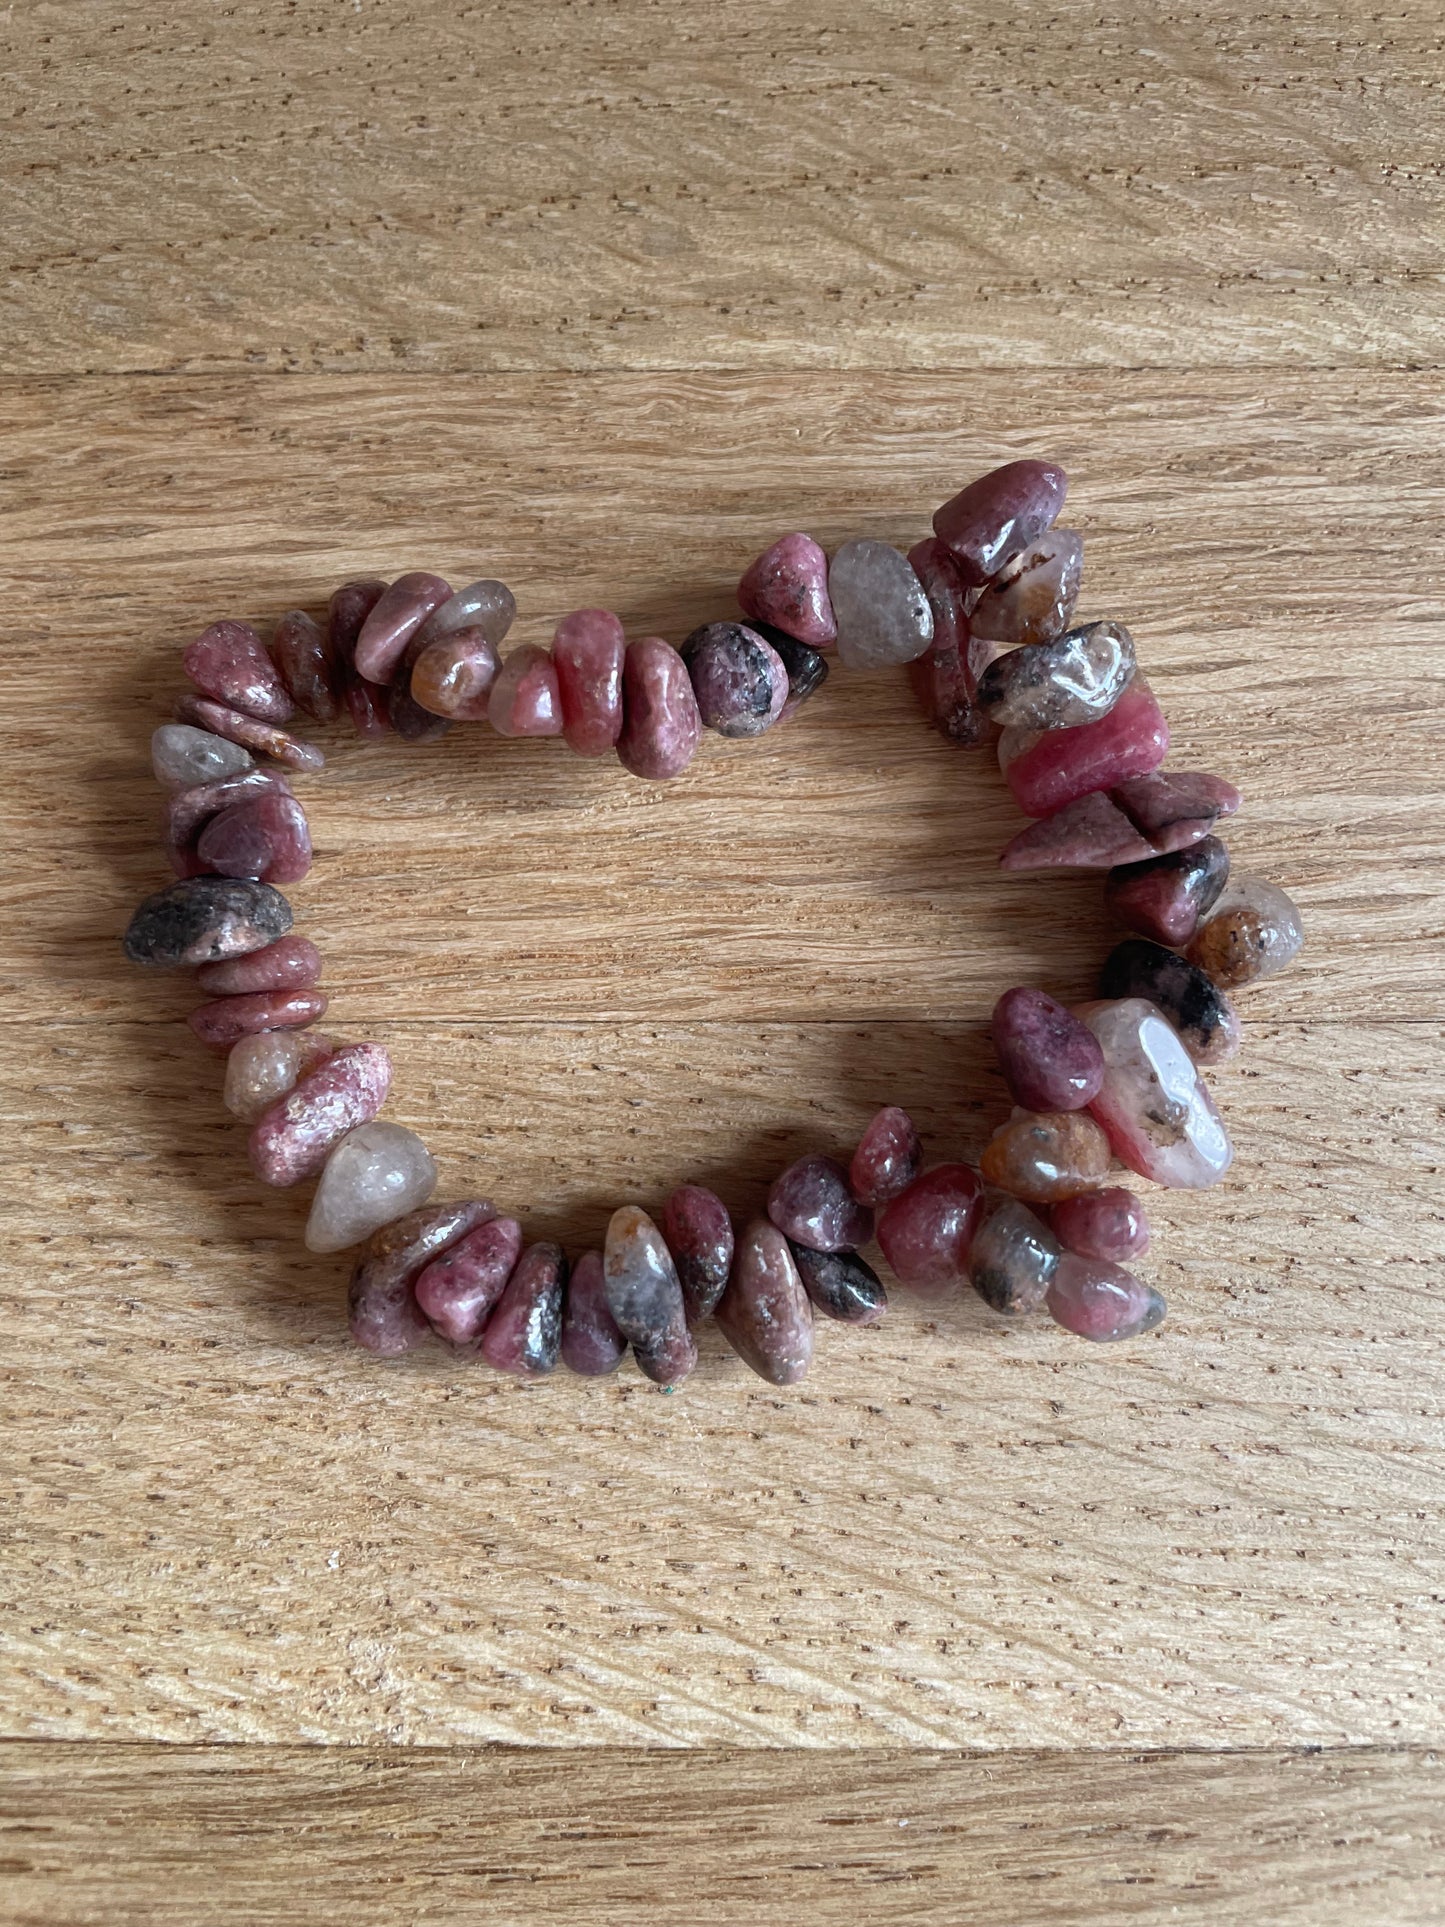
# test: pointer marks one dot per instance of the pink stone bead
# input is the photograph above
(228, 662)
(294, 963)
(303, 654)
(787, 586)
(458, 1290)
(1153, 1104)
(644, 1295)
(926, 1231)
(739, 679)
(228, 1019)
(393, 620)
(1175, 808)
(811, 1205)
(265, 837)
(524, 1334)
(525, 699)
(888, 1159)
(661, 726)
(1167, 897)
(385, 1317)
(588, 650)
(991, 520)
(592, 1346)
(1107, 1224)
(764, 1314)
(943, 677)
(697, 1230)
(188, 811)
(1046, 771)
(294, 1138)
(1098, 1301)
(264, 738)
(1032, 597)
(1091, 833)
(365, 701)
(453, 676)
(1050, 1060)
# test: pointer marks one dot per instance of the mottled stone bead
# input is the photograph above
(1050, 1060)
(1106, 1224)
(926, 1232)
(525, 699)
(263, 1067)
(204, 919)
(787, 587)
(228, 662)
(186, 758)
(888, 1158)
(411, 720)
(266, 739)
(739, 680)
(393, 620)
(592, 1346)
(377, 1172)
(1091, 833)
(1098, 1301)
(265, 837)
(949, 598)
(228, 1019)
(1032, 597)
(1045, 770)
(765, 1314)
(811, 1204)
(1176, 807)
(1013, 1257)
(1074, 679)
(1154, 1105)
(485, 607)
(1000, 514)
(661, 727)
(1165, 897)
(307, 664)
(697, 1230)
(189, 811)
(807, 668)
(523, 1336)
(882, 612)
(944, 687)
(385, 1317)
(588, 649)
(644, 1295)
(293, 1139)
(453, 676)
(1042, 1156)
(458, 1291)
(293, 963)
(1194, 1004)
(841, 1285)
(1254, 932)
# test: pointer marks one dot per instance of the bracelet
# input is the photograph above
(982, 613)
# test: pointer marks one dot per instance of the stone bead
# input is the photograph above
(697, 1230)
(926, 1231)
(787, 587)
(807, 668)
(811, 1204)
(644, 1295)
(943, 677)
(228, 1019)
(739, 680)
(764, 1314)
(1014, 1256)
(1175, 808)
(412, 721)
(1254, 931)
(1045, 770)
(525, 700)
(204, 919)
(588, 649)
(393, 620)
(999, 515)
(349, 607)
(1050, 1060)
(1165, 897)
(882, 612)
(385, 1317)
(458, 1291)
(293, 1139)
(889, 1157)
(367, 704)
(1032, 597)
(185, 758)
(265, 837)
(266, 739)
(1194, 1004)
(485, 606)
(661, 726)
(1042, 1156)
(453, 676)
(189, 811)
(1106, 1224)
(377, 1172)
(307, 664)
(1076, 678)
(592, 1346)
(1099, 1301)
(263, 1067)
(1091, 833)
(1153, 1103)
(227, 662)
(293, 963)
(523, 1336)
(841, 1285)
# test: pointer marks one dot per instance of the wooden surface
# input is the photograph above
(599, 299)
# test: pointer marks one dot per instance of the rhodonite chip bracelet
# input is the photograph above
(982, 612)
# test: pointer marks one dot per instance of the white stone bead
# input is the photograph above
(377, 1173)
(882, 611)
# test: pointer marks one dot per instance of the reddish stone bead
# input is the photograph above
(188, 811)
(366, 701)
(307, 663)
(811, 1204)
(927, 1230)
(1050, 1061)
(294, 1138)
(592, 1346)
(266, 837)
(393, 620)
(764, 1314)
(841, 1285)
(264, 738)
(1107, 1224)
(1191, 1000)
(385, 1317)
(588, 650)
(943, 677)
(991, 520)
(367, 705)
(738, 678)
(1175, 808)
(205, 919)
(787, 586)
(1099, 1301)
(1032, 597)
(1046, 771)
(458, 1290)
(1167, 897)
(644, 1295)
(697, 1230)
(661, 726)
(228, 662)
(294, 963)
(1091, 833)
(453, 676)
(524, 1334)
(1042, 1156)
(229, 1019)
(525, 700)
(888, 1159)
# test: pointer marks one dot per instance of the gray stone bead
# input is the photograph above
(882, 612)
